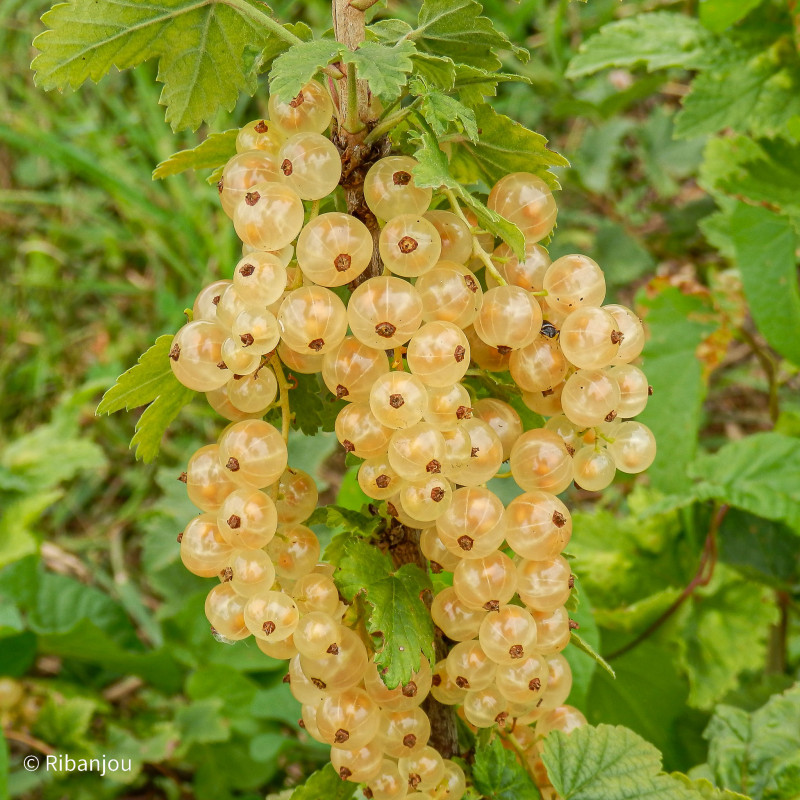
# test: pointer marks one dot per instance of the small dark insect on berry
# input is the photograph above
(549, 330)
(175, 352)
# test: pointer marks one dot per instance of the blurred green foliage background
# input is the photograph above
(104, 647)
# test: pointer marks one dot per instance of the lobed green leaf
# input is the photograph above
(295, 67)
(765, 244)
(325, 783)
(384, 68)
(597, 763)
(499, 775)
(657, 40)
(398, 619)
(208, 50)
(213, 152)
(150, 381)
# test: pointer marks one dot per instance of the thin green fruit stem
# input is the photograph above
(477, 250)
(352, 121)
(518, 749)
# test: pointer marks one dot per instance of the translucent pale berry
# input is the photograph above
(311, 165)
(485, 356)
(205, 304)
(538, 366)
(454, 233)
(594, 468)
(456, 620)
(502, 419)
(260, 134)
(247, 518)
(426, 498)
(358, 765)
(538, 525)
(253, 392)
(312, 320)
(348, 720)
(547, 403)
(261, 277)
(590, 397)
(377, 479)
(242, 173)
(384, 312)
(447, 406)
(424, 769)
(207, 482)
(632, 332)
(486, 708)
(438, 354)
(272, 616)
(204, 551)
(633, 448)
(553, 630)
(450, 293)
(528, 273)
(402, 733)
(444, 689)
(403, 697)
(316, 634)
(315, 592)
(559, 681)
(337, 672)
(484, 457)
(508, 635)
(469, 667)
(540, 461)
(256, 331)
(634, 390)
(409, 245)
(524, 680)
(487, 582)
(416, 451)
(268, 216)
(563, 718)
(250, 572)
(310, 110)
(573, 281)
(360, 432)
(589, 338)
(225, 610)
(434, 550)
(389, 188)
(351, 369)
(297, 496)
(398, 399)
(509, 318)
(334, 249)
(525, 200)
(253, 453)
(196, 356)
(544, 585)
(474, 525)
(308, 363)
(295, 550)
(388, 784)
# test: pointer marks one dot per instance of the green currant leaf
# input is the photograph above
(723, 633)
(325, 783)
(433, 170)
(350, 524)
(754, 86)
(435, 70)
(717, 15)
(399, 621)
(505, 146)
(677, 324)
(293, 69)
(474, 84)
(658, 40)
(757, 754)
(207, 50)
(150, 381)
(314, 408)
(498, 774)
(455, 29)
(213, 152)
(765, 244)
(384, 68)
(603, 762)
(759, 474)
(441, 110)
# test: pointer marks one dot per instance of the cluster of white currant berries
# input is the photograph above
(397, 352)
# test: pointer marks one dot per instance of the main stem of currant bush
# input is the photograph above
(352, 137)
